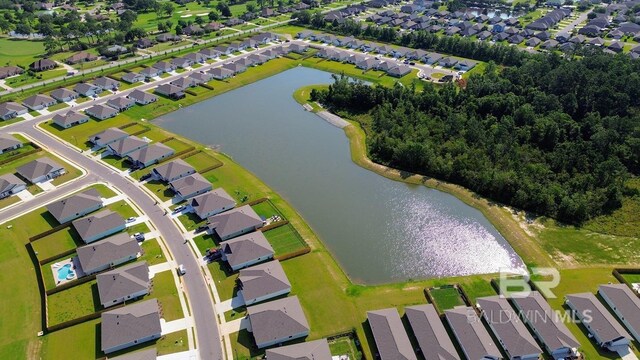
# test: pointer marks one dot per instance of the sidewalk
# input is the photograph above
(169, 327)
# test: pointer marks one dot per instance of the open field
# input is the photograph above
(19, 52)
(284, 240)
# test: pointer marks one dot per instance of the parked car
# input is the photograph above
(179, 208)
(138, 236)
(201, 229)
(181, 270)
(131, 219)
(145, 176)
(213, 254)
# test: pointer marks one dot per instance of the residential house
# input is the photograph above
(221, 73)
(10, 185)
(547, 326)
(263, 282)
(170, 91)
(132, 78)
(75, 206)
(39, 102)
(298, 48)
(286, 312)
(64, 95)
(99, 225)
(144, 43)
(399, 71)
(167, 37)
(213, 26)
(430, 333)
(150, 155)
(310, 350)
(390, 337)
(6, 71)
(190, 186)
(121, 103)
(210, 53)
(164, 67)
(196, 58)
(42, 65)
(69, 119)
(116, 49)
(473, 338)
(101, 112)
(184, 82)
(80, 57)
(126, 146)
(432, 58)
(149, 72)
(10, 110)
(246, 250)
(625, 304)
(266, 37)
(508, 328)
(210, 203)
(105, 83)
(122, 284)
(367, 64)
(148, 354)
(107, 253)
(465, 65)
(107, 137)
(86, 89)
(192, 30)
(9, 143)
(603, 328)
(257, 59)
(235, 67)
(248, 44)
(447, 62)
(130, 325)
(200, 77)
(533, 42)
(181, 62)
(41, 169)
(141, 97)
(232, 223)
(224, 50)
(173, 170)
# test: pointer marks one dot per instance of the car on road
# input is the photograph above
(181, 270)
(412, 63)
(138, 236)
(131, 219)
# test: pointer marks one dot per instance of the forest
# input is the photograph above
(553, 136)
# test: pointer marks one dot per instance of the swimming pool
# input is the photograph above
(65, 272)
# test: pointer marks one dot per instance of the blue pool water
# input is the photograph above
(64, 271)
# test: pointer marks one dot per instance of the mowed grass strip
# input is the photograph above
(152, 252)
(201, 160)
(73, 303)
(446, 297)
(285, 240)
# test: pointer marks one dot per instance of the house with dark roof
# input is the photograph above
(148, 354)
(141, 97)
(221, 73)
(80, 57)
(41, 169)
(9, 143)
(173, 170)
(181, 62)
(212, 203)
(149, 155)
(42, 65)
(210, 53)
(106, 83)
(130, 325)
(196, 58)
(399, 71)
(192, 30)
(75, 206)
(99, 225)
(132, 78)
(124, 283)
(39, 102)
(101, 112)
(625, 304)
(107, 253)
(184, 82)
(263, 282)
(235, 222)
(64, 95)
(167, 37)
(121, 103)
(150, 72)
(277, 321)
(10, 185)
(190, 186)
(549, 329)
(236, 67)
(390, 336)
(430, 333)
(310, 350)
(108, 136)
(87, 90)
(602, 326)
(200, 77)
(164, 67)
(6, 71)
(170, 91)
(246, 250)
(10, 110)
(473, 338)
(508, 328)
(127, 145)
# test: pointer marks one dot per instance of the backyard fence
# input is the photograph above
(58, 256)
(81, 319)
(73, 283)
(274, 225)
(21, 155)
(43, 297)
(617, 273)
(206, 86)
(49, 232)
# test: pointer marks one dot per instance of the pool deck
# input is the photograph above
(75, 267)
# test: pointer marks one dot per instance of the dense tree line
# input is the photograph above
(458, 46)
(553, 136)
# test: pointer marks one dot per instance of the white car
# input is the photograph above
(131, 219)
(181, 270)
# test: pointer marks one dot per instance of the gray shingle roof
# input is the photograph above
(174, 169)
(124, 281)
(127, 144)
(263, 279)
(142, 96)
(101, 111)
(246, 248)
(92, 225)
(507, 326)
(70, 117)
(148, 354)
(278, 319)
(105, 251)
(62, 93)
(390, 336)
(109, 135)
(151, 153)
(234, 220)
(213, 200)
(38, 167)
(120, 102)
(310, 350)
(539, 315)
(84, 87)
(129, 323)
(9, 107)
(430, 332)
(190, 184)
(74, 204)
(7, 141)
(472, 336)
(601, 321)
(9, 181)
(38, 99)
(105, 82)
(626, 303)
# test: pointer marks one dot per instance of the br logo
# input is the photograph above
(544, 279)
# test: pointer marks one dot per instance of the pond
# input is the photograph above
(379, 230)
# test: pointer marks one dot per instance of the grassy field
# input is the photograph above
(152, 252)
(201, 160)
(345, 346)
(10, 168)
(446, 298)
(284, 240)
(25, 78)
(19, 52)
(73, 303)
(164, 289)
(225, 282)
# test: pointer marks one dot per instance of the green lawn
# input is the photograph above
(73, 303)
(13, 153)
(201, 160)
(57, 106)
(235, 314)
(164, 289)
(8, 201)
(57, 243)
(266, 209)
(345, 346)
(446, 298)
(160, 189)
(152, 252)
(225, 284)
(20, 52)
(25, 78)
(204, 242)
(284, 240)
(122, 208)
(11, 167)
(632, 278)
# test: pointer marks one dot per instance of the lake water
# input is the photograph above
(379, 230)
